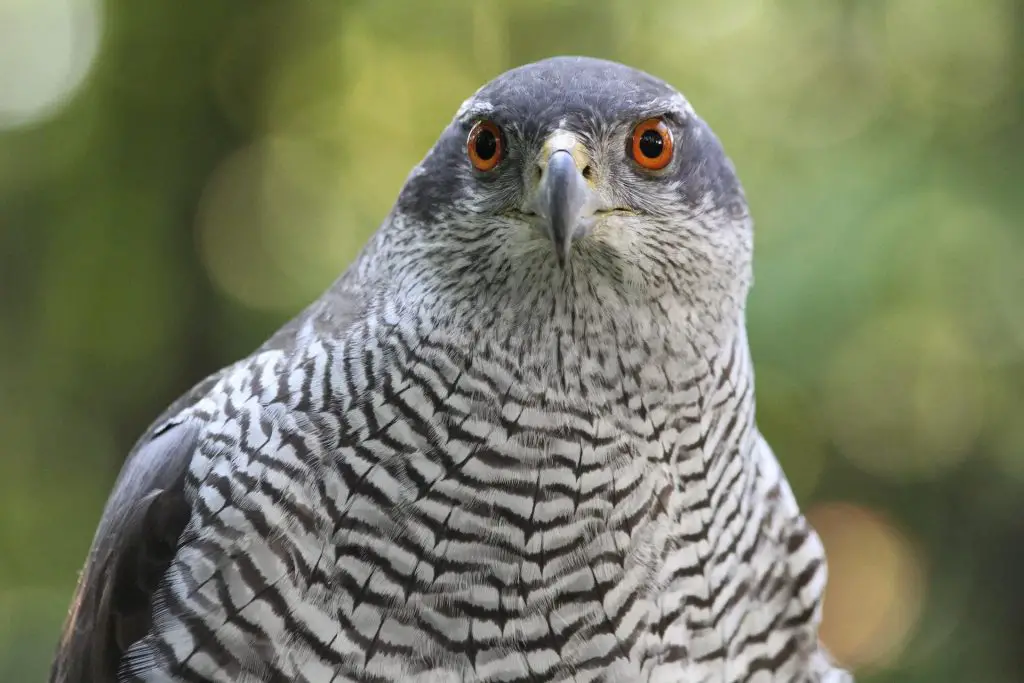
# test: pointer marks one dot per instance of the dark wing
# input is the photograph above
(133, 546)
(141, 525)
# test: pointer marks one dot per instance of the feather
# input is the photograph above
(133, 546)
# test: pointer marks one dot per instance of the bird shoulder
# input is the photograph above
(133, 546)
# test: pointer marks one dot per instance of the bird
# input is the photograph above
(515, 439)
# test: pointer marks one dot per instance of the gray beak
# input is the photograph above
(561, 199)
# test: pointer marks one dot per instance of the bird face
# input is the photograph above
(590, 169)
(578, 178)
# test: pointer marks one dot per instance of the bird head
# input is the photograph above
(575, 174)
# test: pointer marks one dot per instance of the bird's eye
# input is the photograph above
(652, 144)
(485, 146)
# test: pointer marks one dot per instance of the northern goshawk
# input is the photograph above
(515, 441)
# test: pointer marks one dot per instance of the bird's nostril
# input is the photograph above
(587, 172)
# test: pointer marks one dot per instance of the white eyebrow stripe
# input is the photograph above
(473, 109)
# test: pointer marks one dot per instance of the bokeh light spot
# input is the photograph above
(876, 585)
(234, 219)
(47, 48)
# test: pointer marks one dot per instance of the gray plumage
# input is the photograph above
(473, 459)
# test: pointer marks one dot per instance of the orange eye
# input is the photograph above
(652, 144)
(485, 146)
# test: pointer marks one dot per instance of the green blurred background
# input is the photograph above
(178, 178)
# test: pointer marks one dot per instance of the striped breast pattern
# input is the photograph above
(385, 509)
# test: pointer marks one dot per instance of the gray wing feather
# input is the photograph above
(134, 544)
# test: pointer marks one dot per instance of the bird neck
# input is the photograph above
(611, 356)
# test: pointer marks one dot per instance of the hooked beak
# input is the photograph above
(562, 198)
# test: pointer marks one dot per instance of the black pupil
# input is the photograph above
(651, 144)
(486, 145)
